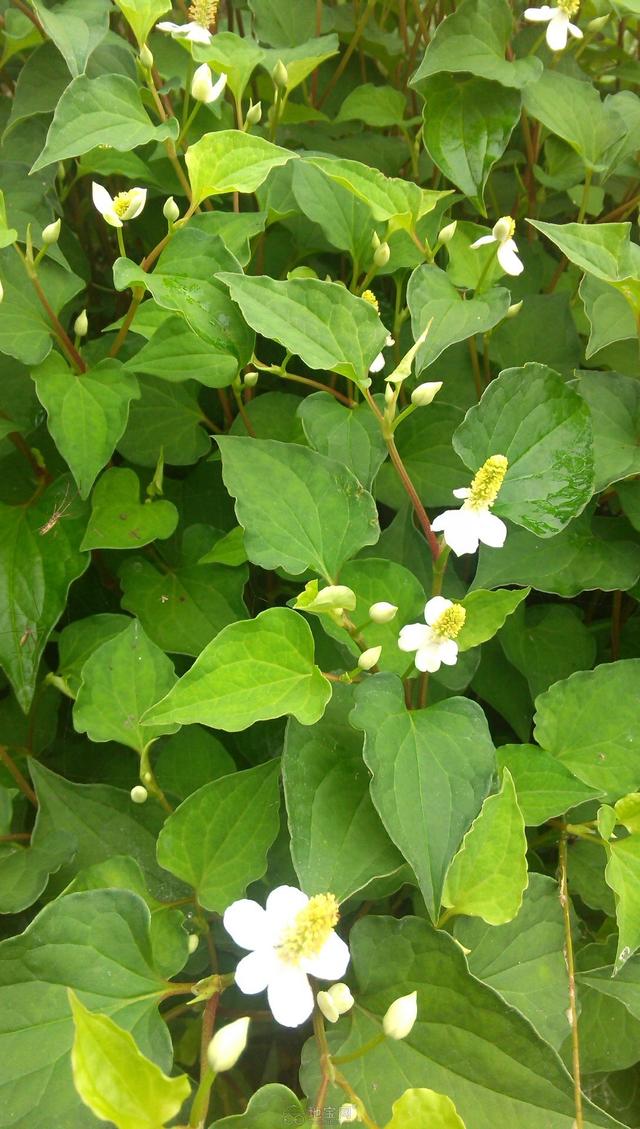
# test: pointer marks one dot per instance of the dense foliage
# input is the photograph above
(320, 564)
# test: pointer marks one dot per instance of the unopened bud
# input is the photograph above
(426, 393)
(447, 233)
(51, 233)
(382, 612)
(327, 1007)
(139, 794)
(280, 75)
(502, 228)
(251, 379)
(347, 1114)
(81, 325)
(227, 1045)
(381, 255)
(193, 942)
(171, 211)
(401, 1016)
(389, 394)
(514, 310)
(146, 58)
(375, 240)
(598, 23)
(369, 658)
(254, 113)
(341, 995)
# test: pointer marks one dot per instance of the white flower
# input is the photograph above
(116, 209)
(193, 31)
(401, 1016)
(558, 20)
(473, 523)
(382, 612)
(227, 1045)
(203, 88)
(336, 1001)
(347, 1114)
(507, 254)
(434, 640)
(288, 941)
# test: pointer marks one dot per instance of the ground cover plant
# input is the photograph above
(320, 564)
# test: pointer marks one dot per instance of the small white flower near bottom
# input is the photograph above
(434, 641)
(558, 20)
(473, 523)
(507, 254)
(292, 938)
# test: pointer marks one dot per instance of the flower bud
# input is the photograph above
(389, 394)
(381, 255)
(514, 310)
(598, 23)
(503, 228)
(447, 233)
(369, 658)
(171, 211)
(193, 942)
(51, 233)
(81, 325)
(146, 58)
(333, 598)
(327, 1007)
(401, 1016)
(139, 794)
(426, 393)
(375, 240)
(227, 1045)
(382, 612)
(251, 379)
(341, 996)
(280, 75)
(347, 1114)
(254, 114)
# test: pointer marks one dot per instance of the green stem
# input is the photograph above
(339, 1060)
(573, 1004)
(149, 781)
(588, 177)
(353, 1097)
(121, 246)
(188, 122)
(201, 1100)
(325, 1067)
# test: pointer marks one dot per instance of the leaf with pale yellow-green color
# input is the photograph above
(628, 811)
(401, 202)
(231, 161)
(114, 1078)
(232, 55)
(141, 15)
(601, 249)
(488, 876)
(302, 59)
(622, 874)
(419, 1108)
(486, 613)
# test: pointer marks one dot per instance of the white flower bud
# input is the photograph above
(146, 58)
(401, 1016)
(81, 325)
(327, 1007)
(381, 255)
(227, 1045)
(139, 794)
(502, 229)
(251, 379)
(347, 1114)
(280, 75)
(375, 240)
(171, 211)
(426, 393)
(382, 612)
(254, 113)
(341, 997)
(389, 394)
(369, 658)
(51, 233)
(193, 942)
(514, 310)
(447, 233)
(598, 23)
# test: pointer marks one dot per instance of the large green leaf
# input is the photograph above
(610, 314)
(424, 443)
(217, 840)
(301, 59)
(321, 322)
(488, 876)
(121, 680)
(234, 55)
(623, 875)
(87, 413)
(349, 435)
(467, 125)
(141, 15)
(544, 786)
(115, 1080)
(473, 41)
(25, 330)
(107, 110)
(548, 643)
(344, 219)
(175, 353)
(231, 161)
(327, 787)
(271, 1105)
(417, 1108)
(466, 1043)
(25, 870)
(400, 201)
(432, 297)
(431, 771)
(614, 401)
(98, 944)
(166, 421)
(119, 520)
(550, 475)
(299, 510)
(572, 109)
(251, 671)
(601, 249)
(486, 614)
(40, 557)
(76, 27)
(591, 723)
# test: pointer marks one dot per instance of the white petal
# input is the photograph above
(428, 658)
(112, 218)
(166, 25)
(282, 906)
(254, 971)
(557, 31)
(138, 201)
(459, 528)
(435, 607)
(484, 239)
(508, 257)
(217, 88)
(575, 31)
(198, 34)
(332, 960)
(378, 364)
(449, 652)
(462, 492)
(492, 531)
(414, 636)
(290, 995)
(101, 198)
(539, 15)
(246, 922)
